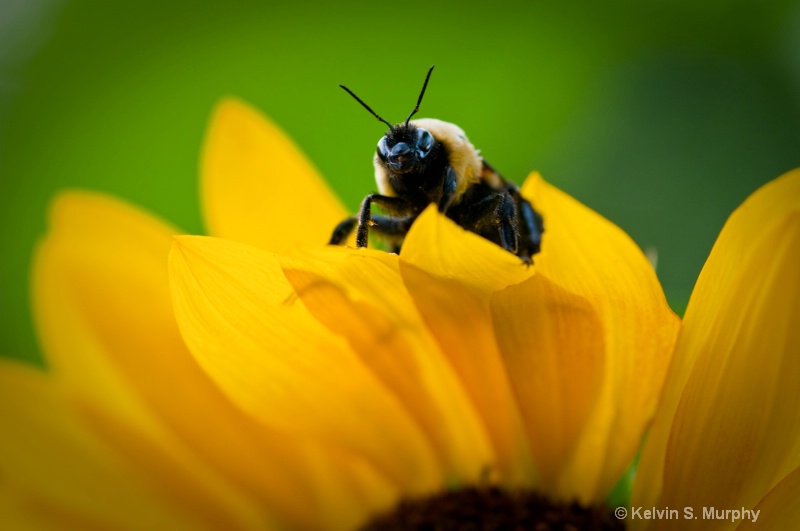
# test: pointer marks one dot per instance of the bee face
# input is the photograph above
(405, 148)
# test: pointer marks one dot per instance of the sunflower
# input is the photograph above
(257, 379)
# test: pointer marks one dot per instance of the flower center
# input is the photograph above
(493, 508)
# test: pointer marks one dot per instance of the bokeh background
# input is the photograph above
(662, 115)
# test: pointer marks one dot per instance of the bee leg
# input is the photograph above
(448, 189)
(507, 220)
(532, 227)
(491, 214)
(343, 231)
(393, 229)
(390, 204)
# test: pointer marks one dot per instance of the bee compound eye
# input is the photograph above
(383, 151)
(424, 141)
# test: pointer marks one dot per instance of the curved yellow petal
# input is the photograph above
(780, 508)
(729, 427)
(337, 490)
(552, 344)
(359, 294)
(61, 472)
(98, 247)
(243, 323)
(19, 512)
(746, 226)
(450, 274)
(106, 324)
(258, 188)
(590, 257)
(437, 245)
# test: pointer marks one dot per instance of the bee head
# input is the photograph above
(404, 147)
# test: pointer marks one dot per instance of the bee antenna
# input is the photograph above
(421, 94)
(367, 107)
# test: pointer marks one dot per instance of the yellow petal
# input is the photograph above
(98, 247)
(442, 248)
(258, 188)
(746, 226)
(459, 319)
(242, 322)
(337, 491)
(588, 256)
(18, 512)
(22, 512)
(104, 315)
(105, 321)
(780, 508)
(60, 472)
(552, 345)
(360, 295)
(729, 427)
(450, 274)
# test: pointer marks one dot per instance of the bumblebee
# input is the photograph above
(430, 161)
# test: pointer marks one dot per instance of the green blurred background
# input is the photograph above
(661, 115)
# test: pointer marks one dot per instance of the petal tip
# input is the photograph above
(231, 105)
(187, 243)
(65, 202)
